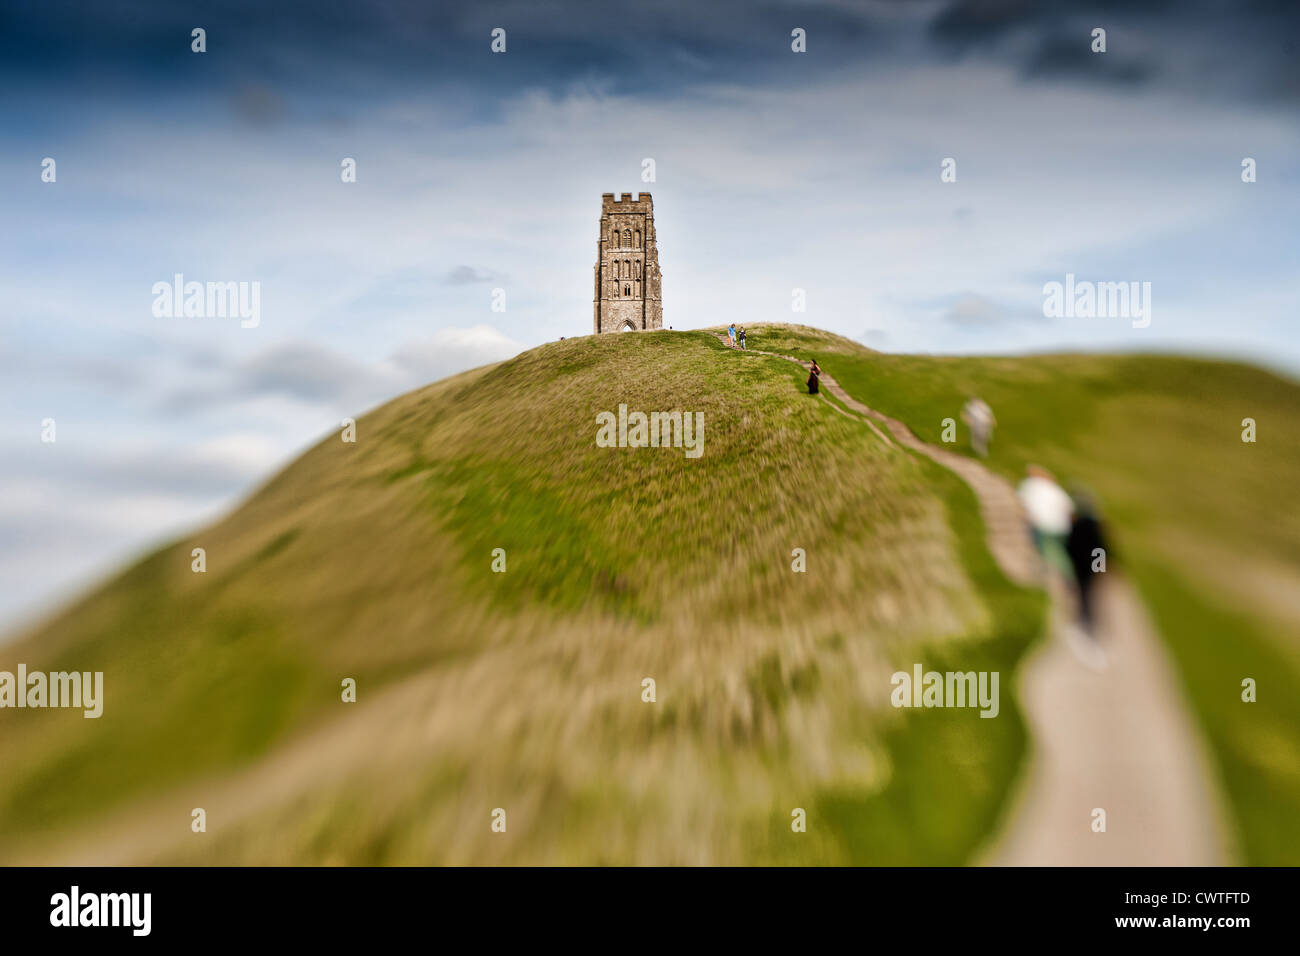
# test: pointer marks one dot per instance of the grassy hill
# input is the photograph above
(1205, 523)
(523, 690)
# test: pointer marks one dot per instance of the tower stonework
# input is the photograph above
(627, 266)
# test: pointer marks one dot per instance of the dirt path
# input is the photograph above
(1110, 730)
(1007, 537)
(1119, 739)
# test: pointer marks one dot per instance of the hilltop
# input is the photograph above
(523, 690)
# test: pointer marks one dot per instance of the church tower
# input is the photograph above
(627, 266)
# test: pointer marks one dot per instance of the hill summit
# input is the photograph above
(637, 655)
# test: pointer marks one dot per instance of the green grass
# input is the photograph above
(952, 774)
(523, 690)
(1203, 522)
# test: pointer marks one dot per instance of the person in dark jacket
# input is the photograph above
(1086, 547)
(814, 377)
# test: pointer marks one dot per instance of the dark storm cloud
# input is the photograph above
(1067, 56)
(971, 21)
(264, 56)
(1239, 50)
(367, 48)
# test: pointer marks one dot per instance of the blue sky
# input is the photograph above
(774, 170)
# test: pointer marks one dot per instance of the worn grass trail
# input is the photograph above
(1121, 739)
(1007, 538)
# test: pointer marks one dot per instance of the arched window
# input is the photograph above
(627, 290)
(627, 268)
(627, 238)
(637, 270)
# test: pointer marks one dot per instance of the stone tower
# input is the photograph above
(627, 266)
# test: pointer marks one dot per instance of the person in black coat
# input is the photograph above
(1085, 539)
(814, 376)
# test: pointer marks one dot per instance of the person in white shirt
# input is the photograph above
(1050, 511)
(979, 417)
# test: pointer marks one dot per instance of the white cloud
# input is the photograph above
(448, 351)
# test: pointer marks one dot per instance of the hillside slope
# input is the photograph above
(1203, 522)
(523, 690)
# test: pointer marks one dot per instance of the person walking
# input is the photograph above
(731, 334)
(1049, 510)
(814, 377)
(742, 339)
(979, 417)
(1086, 547)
